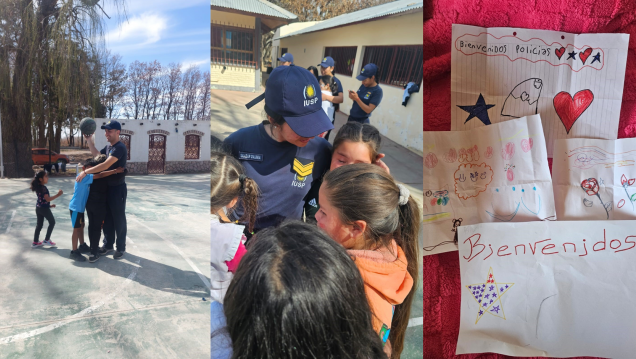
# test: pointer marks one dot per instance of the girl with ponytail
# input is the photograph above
(229, 184)
(377, 221)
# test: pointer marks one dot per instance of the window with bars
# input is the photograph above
(232, 46)
(344, 57)
(192, 143)
(397, 65)
(125, 139)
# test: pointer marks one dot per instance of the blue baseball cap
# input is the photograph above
(294, 93)
(367, 71)
(327, 62)
(287, 58)
(112, 125)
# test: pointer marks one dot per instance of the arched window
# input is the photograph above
(192, 147)
(125, 139)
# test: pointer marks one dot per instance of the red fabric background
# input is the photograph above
(442, 286)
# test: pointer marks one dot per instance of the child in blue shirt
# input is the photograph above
(77, 206)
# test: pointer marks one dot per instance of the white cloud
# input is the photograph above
(186, 64)
(140, 30)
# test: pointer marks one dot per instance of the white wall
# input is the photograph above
(401, 124)
(175, 141)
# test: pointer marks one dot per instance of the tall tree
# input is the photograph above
(112, 84)
(44, 46)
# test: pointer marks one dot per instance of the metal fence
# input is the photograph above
(397, 65)
(234, 47)
(345, 58)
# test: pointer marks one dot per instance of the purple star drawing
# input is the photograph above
(492, 287)
(479, 301)
(469, 287)
(490, 302)
(483, 286)
(494, 295)
(495, 309)
(485, 304)
(481, 312)
(501, 289)
(487, 295)
(506, 285)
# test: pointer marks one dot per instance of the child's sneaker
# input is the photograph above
(49, 243)
(104, 251)
(36, 244)
(83, 248)
(77, 256)
(93, 258)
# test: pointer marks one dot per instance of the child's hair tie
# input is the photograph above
(242, 180)
(404, 195)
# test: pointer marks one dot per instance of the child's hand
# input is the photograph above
(119, 170)
(381, 164)
(60, 192)
(52, 206)
(80, 177)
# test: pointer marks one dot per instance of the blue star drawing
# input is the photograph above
(479, 110)
(571, 55)
(597, 57)
(494, 291)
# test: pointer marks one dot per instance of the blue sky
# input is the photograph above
(162, 30)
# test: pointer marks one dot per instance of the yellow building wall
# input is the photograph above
(235, 76)
(401, 124)
(230, 19)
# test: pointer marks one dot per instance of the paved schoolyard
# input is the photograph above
(147, 305)
(229, 114)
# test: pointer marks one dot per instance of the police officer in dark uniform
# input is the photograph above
(327, 67)
(115, 221)
(283, 154)
(368, 96)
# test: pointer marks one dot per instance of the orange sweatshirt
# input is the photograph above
(386, 281)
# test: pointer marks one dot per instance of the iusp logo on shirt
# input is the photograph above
(310, 95)
(367, 95)
(302, 168)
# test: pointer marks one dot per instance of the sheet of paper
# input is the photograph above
(559, 289)
(496, 173)
(595, 179)
(574, 81)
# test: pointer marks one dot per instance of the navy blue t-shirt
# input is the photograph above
(340, 90)
(117, 150)
(368, 95)
(283, 172)
(41, 202)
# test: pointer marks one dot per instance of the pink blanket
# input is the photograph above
(441, 272)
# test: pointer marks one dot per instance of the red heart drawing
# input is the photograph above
(526, 144)
(585, 54)
(560, 52)
(570, 109)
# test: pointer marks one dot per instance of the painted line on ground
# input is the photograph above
(83, 313)
(194, 267)
(414, 322)
(10, 222)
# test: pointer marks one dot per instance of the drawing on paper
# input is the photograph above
(488, 296)
(523, 100)
(508, 151)
(559, 52)
(591, 187)
(469, 154)
(479, 110)
(510, 176)
(569, 108)
(588, 203)
(517, 205)
(526, 144)
(583, 55)
(488, 152)
(450, 156)
(438, 200)
(471, 180)
(586, 157)
(626, 183)
(430, 161)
